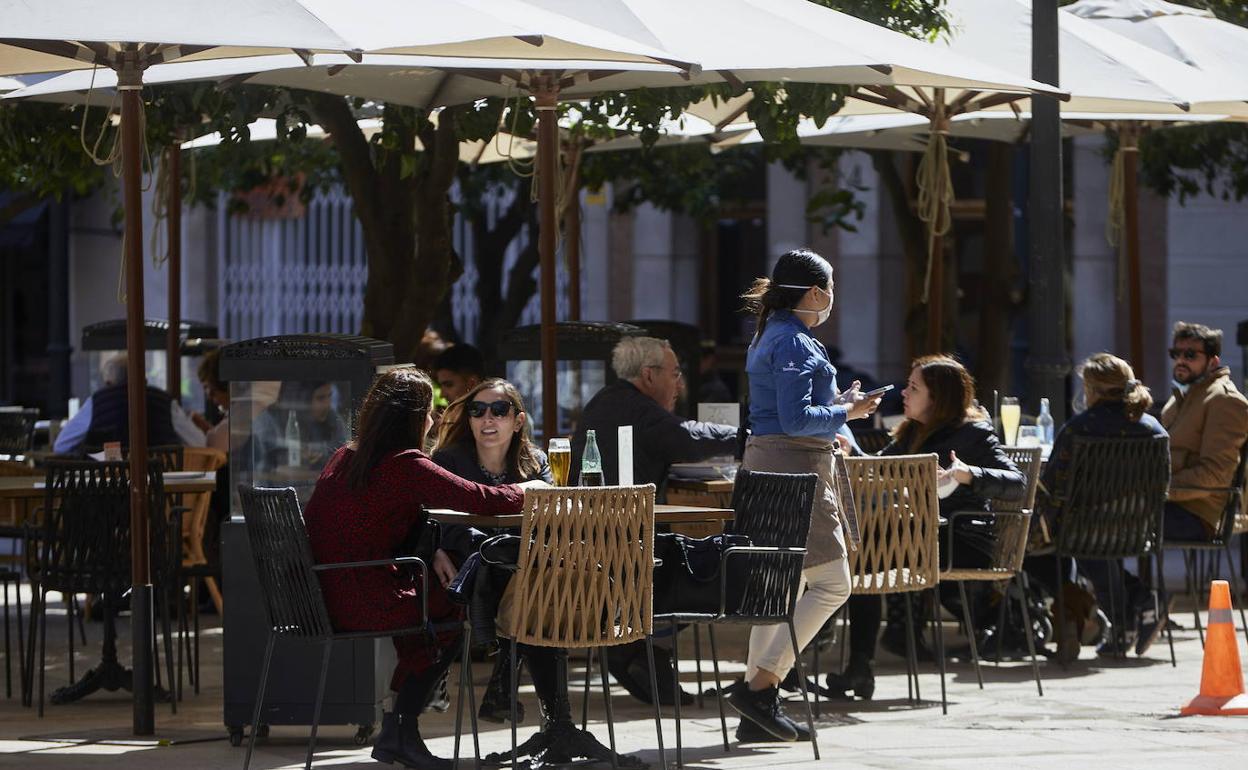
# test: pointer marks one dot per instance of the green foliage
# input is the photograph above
(41, 150)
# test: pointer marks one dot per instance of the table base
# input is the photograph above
(562, 743)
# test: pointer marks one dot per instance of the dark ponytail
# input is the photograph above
(801, 268)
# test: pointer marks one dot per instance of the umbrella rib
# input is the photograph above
(732, 116)
(63, 48)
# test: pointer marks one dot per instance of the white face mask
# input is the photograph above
(821, 315)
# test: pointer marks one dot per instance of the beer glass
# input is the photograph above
(559, 454)
(1011, 415)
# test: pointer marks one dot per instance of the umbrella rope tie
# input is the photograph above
(521, 168)
(935, 197)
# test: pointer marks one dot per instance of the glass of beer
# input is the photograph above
(1011, 415)
(559, 455)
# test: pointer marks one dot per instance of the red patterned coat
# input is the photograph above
(358, 525)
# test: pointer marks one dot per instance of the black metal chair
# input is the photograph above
(12, 577)
(292, 595)
(17, 431)
(1221, 541)
(1112, 508)
(871, 440)
(82, 546)
(759, 583)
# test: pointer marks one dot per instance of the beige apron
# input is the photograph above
(793, 454)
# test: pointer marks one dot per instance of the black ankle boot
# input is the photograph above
(762, 707)
(544, 669)
(400, 741)
(858, 678)
(496, 700)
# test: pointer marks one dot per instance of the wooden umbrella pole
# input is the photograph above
(129, 83)
(546, 94)
(173, 341)
(1131, 234)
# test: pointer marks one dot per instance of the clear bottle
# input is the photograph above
(1045, 423)
(591, 461)
(294, 454)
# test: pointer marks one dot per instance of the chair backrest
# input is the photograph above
(84, 540)
(774, 510)
(168, 457)
(1027, 460)
(586, 569)
(898, 516)
(283, 557)
(872, 440)
(17, 431)
(198, 504)
(1235, 514)
(1115, 496)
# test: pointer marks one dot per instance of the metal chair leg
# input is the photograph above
(970, 631)
(1164, 600)
(654, 688)
(464, 661)
(939, 646)
(255, 714)
(515, 694)
(697, 657)
(43, 647)
(589, 676)
(1243, 619)
(320, 699)
(606, 701)
(719, 690)
(1002, 611)
(801, 678)
(1021, 578)
(1194, 591)
(680, 749)
(8, 652)
(69, 617)
(1060, 620)
(911, 647)
(1118, 621)
(472, 698)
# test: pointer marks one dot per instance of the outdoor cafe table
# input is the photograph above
(567, 737)
(25, 493)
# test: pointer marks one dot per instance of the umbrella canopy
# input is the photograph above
(1194, 36)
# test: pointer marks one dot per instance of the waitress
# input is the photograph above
(795, 415)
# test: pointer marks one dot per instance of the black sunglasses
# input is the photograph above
(1186, 354)
(499, 408)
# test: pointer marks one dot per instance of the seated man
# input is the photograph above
(1207, 418)
(106, 416)
(649, 382)
(457, 370)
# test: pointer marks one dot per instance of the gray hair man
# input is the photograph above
(644, 397)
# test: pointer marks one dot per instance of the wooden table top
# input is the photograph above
(701, 485)
(17, 487)
(663, 514)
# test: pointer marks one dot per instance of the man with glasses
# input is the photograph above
(650, 381)
(1207, 418)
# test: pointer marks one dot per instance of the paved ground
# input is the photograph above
(1113, 714)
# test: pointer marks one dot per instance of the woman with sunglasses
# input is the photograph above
(369, 502)
(483, 437)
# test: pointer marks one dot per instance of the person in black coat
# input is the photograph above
(483, 437)
(941, 418)
(650, 381)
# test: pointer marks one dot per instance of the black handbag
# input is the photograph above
(687, 580)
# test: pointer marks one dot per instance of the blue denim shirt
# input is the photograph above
(792, 382)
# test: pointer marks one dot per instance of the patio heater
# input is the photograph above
(292, 404)
(105, 339)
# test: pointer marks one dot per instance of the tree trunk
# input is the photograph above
(914, 243)
(499, 312)
(997, 293)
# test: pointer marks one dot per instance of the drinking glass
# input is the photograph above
(1029, 435)
(559, 455)
(1011, 415)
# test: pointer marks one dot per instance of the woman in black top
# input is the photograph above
(941, 418)
(483, 437)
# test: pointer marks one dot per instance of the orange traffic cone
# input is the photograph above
(1222, 680)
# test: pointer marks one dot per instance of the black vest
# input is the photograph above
(110, 418)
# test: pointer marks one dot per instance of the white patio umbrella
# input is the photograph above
(55, 35)
(1194, 36)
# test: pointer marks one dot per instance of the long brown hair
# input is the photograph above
(392, 419)
(952, 392)
(801, 268)
(455, 430)
(1107, 377)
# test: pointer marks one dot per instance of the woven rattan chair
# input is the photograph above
(763, 579)
(82, 546)
(1236, 506)
(291, 591)
(584, 579)
(898, 517)
(1112, 507)
(1006, 527)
